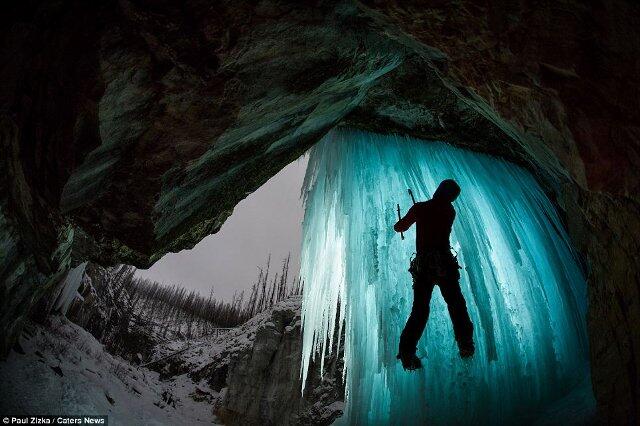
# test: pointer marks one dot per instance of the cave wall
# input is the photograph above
(132, 128)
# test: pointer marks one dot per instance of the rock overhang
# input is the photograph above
(377, 78)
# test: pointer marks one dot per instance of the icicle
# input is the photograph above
(524, 289)
(68, 288)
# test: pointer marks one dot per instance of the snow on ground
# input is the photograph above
(200, 351)
(64, 370)
(243, 335)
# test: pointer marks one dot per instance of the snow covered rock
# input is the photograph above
(260, 363)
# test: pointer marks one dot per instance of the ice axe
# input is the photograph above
(411, 194)
(400, 217)
(398, 207)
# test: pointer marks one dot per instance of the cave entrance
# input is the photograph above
(524, 288)
(251, 264)
(151, 347)
(266, 224)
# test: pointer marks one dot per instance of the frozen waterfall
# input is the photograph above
(524, 289)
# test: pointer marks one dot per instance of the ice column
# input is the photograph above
(523, 286)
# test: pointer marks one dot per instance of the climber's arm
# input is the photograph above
(406, 222)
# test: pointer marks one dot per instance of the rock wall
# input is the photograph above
(258, 374)
(606, 229)
(130, 129)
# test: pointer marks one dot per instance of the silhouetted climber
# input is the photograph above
(434, 264)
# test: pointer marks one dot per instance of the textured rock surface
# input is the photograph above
(132, 128)
(606, 229)
(258, 373)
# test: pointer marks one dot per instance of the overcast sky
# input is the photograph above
(267, 221)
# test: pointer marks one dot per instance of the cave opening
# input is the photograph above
(248, 266)
(522, 280)
(152, 345)
(264, 228)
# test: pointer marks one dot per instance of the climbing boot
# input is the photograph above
(410, 362)
(466, 349)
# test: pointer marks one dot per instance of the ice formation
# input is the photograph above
(524, 288)
(68, 289)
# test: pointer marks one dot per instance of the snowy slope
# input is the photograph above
(64, 370)
(248, 375)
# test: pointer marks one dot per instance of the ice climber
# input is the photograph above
(434, 264)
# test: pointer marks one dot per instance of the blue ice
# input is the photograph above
(524, 288)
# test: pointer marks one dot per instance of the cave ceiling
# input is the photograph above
(160, 118)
